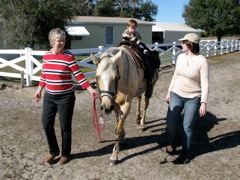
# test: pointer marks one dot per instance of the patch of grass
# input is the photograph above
(79, 58)
(84, 69)
(12, 70)
(229, 56)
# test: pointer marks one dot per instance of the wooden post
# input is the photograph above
(22, 79)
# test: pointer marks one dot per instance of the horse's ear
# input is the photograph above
(118, 56)
(95, 59)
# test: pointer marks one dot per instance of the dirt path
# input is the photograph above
(217, 141)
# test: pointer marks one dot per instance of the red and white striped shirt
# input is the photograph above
(57, 70)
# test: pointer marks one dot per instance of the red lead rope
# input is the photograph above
(95, 120)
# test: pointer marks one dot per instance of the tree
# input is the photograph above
(84, 7)
(216, 17)
(127, 8)
(16, 23)
(105, 8)
(27, 22)
(147, 11)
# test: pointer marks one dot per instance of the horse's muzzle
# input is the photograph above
(107, 110)
(107, 102)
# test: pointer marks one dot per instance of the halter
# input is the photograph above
(110, 94)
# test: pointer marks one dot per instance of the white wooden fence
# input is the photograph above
(168, 53)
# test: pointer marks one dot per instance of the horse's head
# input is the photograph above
(107, 80)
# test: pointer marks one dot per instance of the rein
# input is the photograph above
(102, 93)
(95, 120)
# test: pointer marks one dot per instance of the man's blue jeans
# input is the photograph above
(191, 112)
(64, 105)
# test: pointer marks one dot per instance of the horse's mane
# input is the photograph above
(110, 52)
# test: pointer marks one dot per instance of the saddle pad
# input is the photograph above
(138, 61)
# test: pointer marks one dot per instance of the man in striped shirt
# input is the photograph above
(56, 76)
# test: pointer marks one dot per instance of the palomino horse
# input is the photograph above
(119, 80)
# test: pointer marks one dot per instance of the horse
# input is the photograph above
(119, 80)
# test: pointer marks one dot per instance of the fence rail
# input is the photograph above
(168, 52)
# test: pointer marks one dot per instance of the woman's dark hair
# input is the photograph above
(194, 48)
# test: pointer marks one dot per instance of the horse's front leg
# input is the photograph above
(120, 133)
(142, 122)
(138, 110)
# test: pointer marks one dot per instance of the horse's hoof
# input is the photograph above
(138, 120)
(141, 129)
(122, 141)
(113, 162)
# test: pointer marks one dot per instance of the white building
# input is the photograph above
(170, 32)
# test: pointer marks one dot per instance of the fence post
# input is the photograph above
(208, 48)
(238, 45)
(215, 47)
(156, 46)
(29, 67)
(22, 79)
(227, 46)
(174, 53)
(221, 46)
(101, 49)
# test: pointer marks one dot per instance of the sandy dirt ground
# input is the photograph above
(216, 141)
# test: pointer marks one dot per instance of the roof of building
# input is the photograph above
(77, 31)
(106, 20)
(163, 26)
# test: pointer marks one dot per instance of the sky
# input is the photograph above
(170, 10)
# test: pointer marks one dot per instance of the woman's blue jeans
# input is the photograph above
(191, 112)
(64, 105)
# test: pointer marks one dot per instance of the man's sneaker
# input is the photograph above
(64, 160)
(50, 157)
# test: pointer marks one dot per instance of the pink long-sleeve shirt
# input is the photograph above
(57, 73)
(191, 77)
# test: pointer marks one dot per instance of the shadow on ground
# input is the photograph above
(202, 143)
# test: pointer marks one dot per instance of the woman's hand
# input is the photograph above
(203, 109)
(168, 97)
(38, 94)
(93, 92)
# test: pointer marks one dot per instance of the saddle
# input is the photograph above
(134, 51)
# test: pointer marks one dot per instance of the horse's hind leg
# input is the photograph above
(138, 111)
(142, 122)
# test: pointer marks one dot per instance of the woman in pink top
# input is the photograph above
(188, 91)
(59, 97)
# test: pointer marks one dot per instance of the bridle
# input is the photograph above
(110, 94)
